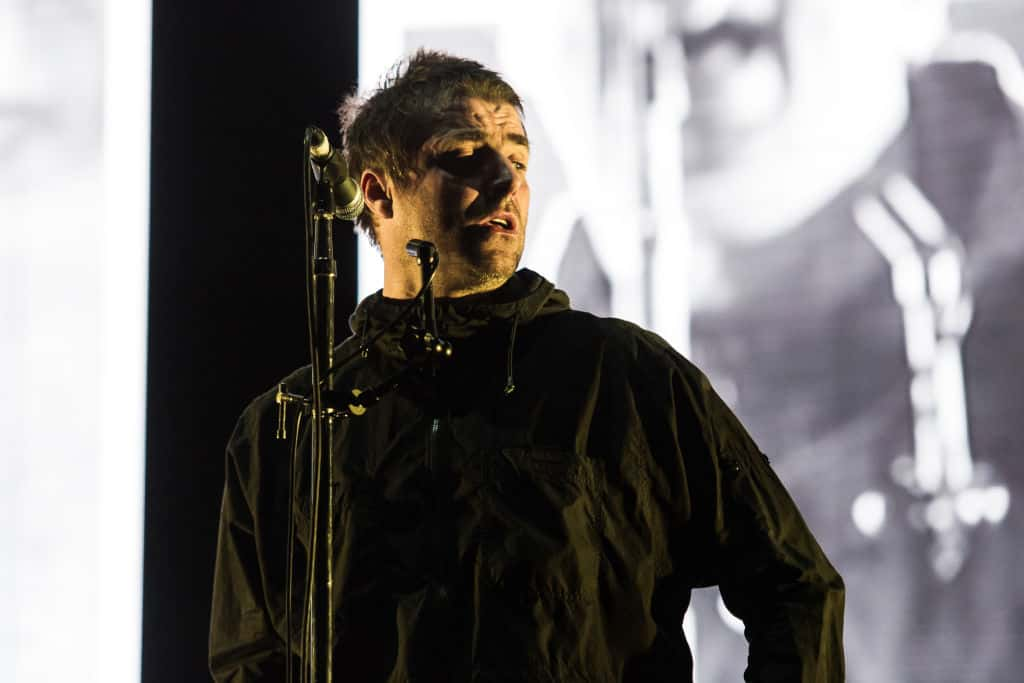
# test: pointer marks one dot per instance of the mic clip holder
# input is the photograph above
(324, 204)
(422, 343)
(336, 403)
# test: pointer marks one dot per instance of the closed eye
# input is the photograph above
(459, 162)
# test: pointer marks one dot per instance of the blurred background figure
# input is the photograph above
(853, 178)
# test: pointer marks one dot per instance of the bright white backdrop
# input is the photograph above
(74, 197)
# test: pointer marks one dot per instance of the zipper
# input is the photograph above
(435, 426)
(435, 562)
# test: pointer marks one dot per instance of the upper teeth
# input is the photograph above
(500, 221)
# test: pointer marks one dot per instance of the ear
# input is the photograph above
(376, 194)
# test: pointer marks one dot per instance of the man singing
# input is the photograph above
(539, 506)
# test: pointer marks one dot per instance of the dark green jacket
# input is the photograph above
(550, 533)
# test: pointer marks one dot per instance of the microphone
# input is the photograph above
(426, 338)
(326, 159)
(422, 251)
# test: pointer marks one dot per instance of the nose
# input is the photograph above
(495, 180)
(499, 180)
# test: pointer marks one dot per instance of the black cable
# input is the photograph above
(307, 198)
(289, 593)
(312, 329)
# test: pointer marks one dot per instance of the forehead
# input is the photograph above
(491, 115)
(475, 118)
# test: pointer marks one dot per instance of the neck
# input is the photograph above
(407, 284)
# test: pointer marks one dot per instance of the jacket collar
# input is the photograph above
(524, 297)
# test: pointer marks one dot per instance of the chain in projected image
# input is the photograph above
(952, 491)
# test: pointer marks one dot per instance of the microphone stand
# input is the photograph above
(328, 405)
(426, 347)
(320, 625)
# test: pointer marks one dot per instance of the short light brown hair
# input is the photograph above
(386, 130)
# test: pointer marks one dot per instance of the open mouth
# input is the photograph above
(738, 78)
(504, 223)
(743, 37)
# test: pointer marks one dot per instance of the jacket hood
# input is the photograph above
(524, 297)
(379, 323)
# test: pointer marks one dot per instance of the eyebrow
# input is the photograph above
(471, 134)
(518, 139)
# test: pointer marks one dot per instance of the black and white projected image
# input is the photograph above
(820, 204)
(854, 175)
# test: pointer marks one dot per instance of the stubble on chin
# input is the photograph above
(484, 274)
(473, 259)
(484, 280)
(492, 251)
(478, 265)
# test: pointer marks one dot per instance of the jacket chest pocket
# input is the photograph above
(539, 523)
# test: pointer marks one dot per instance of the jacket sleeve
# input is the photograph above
(772, 573)
(244, 646)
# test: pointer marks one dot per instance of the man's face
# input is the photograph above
(762, 69)
(469, 197)
(738, 73)
(790, 101)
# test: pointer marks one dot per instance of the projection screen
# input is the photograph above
(819, 203)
